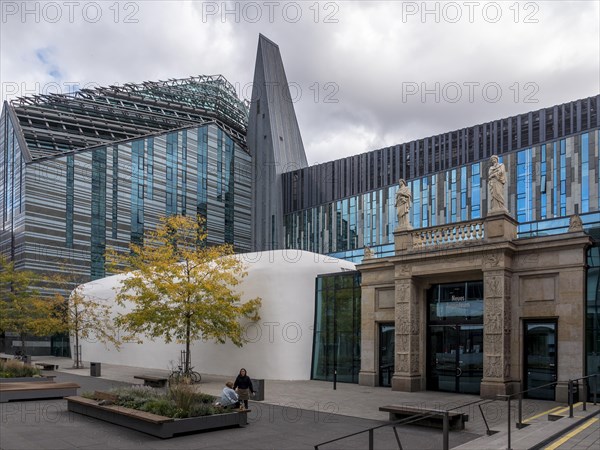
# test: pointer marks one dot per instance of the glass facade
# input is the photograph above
(109, 197)
(541, 185)
(592, 329)
(336, 344)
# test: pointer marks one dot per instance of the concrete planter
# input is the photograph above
(10, 392)
(162, 427)
(26, 379)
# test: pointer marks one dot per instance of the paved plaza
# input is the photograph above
(294, 415)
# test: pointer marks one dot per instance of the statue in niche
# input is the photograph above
(496, 182)
(403, 204)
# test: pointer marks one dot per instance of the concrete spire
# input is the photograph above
(275, 143)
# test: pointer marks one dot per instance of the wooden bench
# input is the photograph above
(35, 390)
(154, 381)
(46, 366)
(428, 417)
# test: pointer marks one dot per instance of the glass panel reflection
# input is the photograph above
(336, 344)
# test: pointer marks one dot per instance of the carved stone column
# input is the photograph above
(407, 374)
(367, 375)
(497, 333)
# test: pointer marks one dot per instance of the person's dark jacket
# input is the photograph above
(243, 382)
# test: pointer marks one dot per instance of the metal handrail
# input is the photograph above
(446, 424)
(570, 382)
(415, 418)
(406, 421)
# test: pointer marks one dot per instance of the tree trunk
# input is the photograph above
(187, 344)
(23, 347)
(77, 355)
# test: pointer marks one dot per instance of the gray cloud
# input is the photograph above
(370, 57)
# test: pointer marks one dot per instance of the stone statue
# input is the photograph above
(368, 253)
(403, 204)
(575, 223)
(496, 182)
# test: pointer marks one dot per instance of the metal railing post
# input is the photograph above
(584, 384)
(371, 439)
(508, 421)
(570, 399)
(446, 429)
(520, 411)
(595, 387)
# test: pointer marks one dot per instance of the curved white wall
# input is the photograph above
(280, 344)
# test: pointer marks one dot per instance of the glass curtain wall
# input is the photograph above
(336, 344)
(592, 329)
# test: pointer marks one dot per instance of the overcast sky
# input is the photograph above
(364, 75)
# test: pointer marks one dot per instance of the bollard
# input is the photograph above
(508, 416)
(520, 410)
(371, 439)
(570, 399)
(446, 430)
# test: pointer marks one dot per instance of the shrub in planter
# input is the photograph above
(17, 369)
(180, 401)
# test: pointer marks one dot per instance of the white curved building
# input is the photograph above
(280, 343)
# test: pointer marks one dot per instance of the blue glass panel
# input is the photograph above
(171, 171)
(115, 192)
(585, 173)
(137, 191)
(98, 213)
(150, 167)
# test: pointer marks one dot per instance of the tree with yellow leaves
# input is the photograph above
(181, 289)
(89, 318)
(23, 309)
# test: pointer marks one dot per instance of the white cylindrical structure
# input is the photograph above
(280, 343)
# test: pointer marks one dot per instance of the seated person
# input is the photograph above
(229, 398)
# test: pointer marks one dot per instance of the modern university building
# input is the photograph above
(463, 297)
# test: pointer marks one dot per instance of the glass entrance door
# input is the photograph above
(455, 358)
(386, 354)
(540, 358)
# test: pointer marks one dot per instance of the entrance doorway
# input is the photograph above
(387, 338)
(456, 358)
(540, 358)
(455, 337)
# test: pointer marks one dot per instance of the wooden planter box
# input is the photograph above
(159, 426)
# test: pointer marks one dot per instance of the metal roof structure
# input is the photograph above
(54, 124)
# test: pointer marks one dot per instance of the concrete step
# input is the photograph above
(539, 432)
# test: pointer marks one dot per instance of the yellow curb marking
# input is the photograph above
(550, 411)
(566, 408)
(573, 433)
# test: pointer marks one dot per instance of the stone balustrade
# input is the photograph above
(448, 235)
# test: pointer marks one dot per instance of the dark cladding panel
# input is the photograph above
(362, 173)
